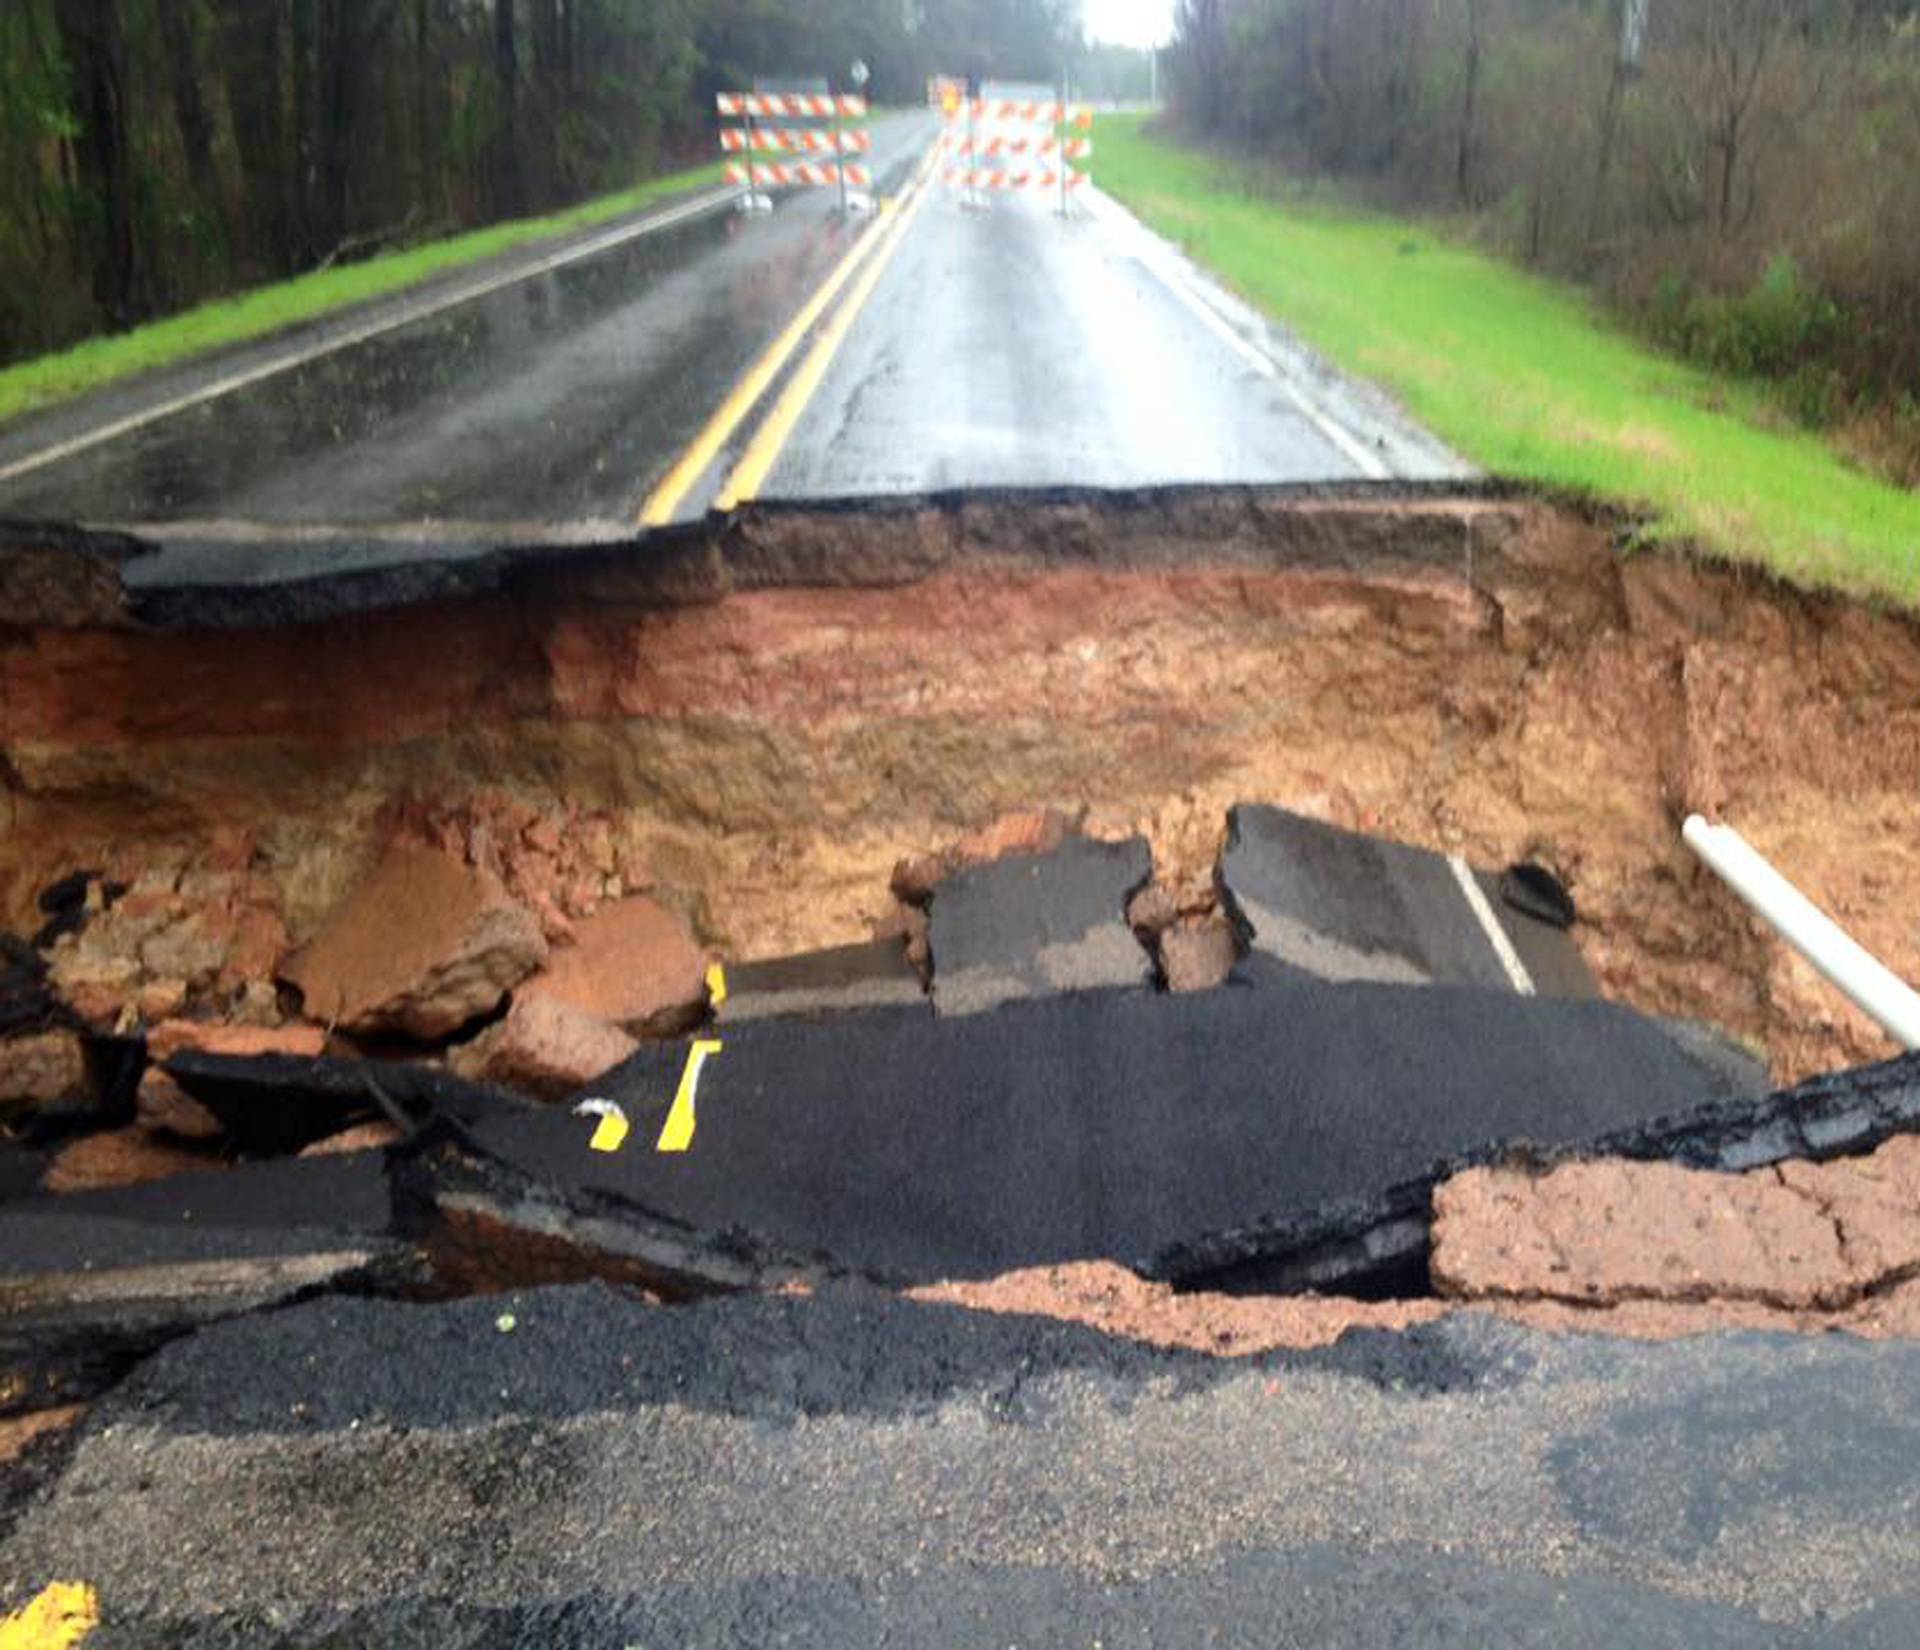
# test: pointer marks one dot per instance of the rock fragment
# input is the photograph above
(633, 963)
(119, 1157)
(1797, 1236)
(1035, 831)
(1198, 954)
(162, 1106)
(424, 946)
(41, 1069)
(544, 1047)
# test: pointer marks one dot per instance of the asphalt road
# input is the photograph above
(1005, 346)
(851, 1470)
(1101, 1124)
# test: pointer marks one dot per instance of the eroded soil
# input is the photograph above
(758, 729)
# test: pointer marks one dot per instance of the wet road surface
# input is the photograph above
(1008, 346)
(556, 401)
(573, 1468)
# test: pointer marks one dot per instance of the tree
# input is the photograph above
(95, 50)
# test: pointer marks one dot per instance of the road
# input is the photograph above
(567, 1468)
(644, 372)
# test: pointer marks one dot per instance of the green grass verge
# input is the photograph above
(1523, 377)
(51, 378)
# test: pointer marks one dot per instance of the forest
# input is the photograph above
(154, 153)
(1740, 178)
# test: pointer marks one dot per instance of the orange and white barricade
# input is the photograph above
(756, 135)
(986, 156)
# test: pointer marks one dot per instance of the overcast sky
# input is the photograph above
(1129, 22)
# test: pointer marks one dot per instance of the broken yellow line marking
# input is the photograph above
(751, 472)
(666, 499)
(716, 984)
(63, 1615)
(610, 1132)
(677, 1136)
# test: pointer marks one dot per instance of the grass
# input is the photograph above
(1523, 376)
(52, 378)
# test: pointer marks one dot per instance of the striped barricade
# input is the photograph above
(798, 174)
(985, 177)
(791, 106)
(1031, 114)
(795, 140)
(752, 137)
(970, 141)
(997, 148)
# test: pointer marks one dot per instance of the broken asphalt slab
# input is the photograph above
(415, 1475)
(270, 1103)
(91, 1281)
(842, 979)
(1344, 906)
(1034, 925)
(1117, 1124)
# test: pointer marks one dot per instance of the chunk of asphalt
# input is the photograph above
(1038, 925)
(1536, 892)
(1729, 1066)
(840, 980)
(20, 1170)
(91, 1281)
(1349, 907)
(275, 1103)
(1114, 1124)
(1382, 1241)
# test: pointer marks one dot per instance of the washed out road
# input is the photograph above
(643, 372)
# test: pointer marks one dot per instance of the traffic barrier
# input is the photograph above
(1032, 114)
(754, 177)
(786, 175)
(789, 105)
(990, 148)
(794, 140)
(962, 177)
(1047, 146)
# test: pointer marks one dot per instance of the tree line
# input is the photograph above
(157, 152)
(1741, 176)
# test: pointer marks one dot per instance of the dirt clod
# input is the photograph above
(423, 946)
(632, 964)
(1801, 1237)
(1198, 953)
(544, 1047)
(41, 1068)
(120, 1157)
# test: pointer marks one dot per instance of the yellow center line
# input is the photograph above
(58, 1619)
(751, 473)
(666, 499)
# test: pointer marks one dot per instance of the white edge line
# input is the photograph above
(359, 335)
(1368, 463)
(1503, 947)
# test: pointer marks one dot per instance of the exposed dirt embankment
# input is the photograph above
(759, 722)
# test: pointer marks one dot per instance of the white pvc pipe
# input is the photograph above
(1809, 930)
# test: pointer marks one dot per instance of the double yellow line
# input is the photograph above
(875, 248)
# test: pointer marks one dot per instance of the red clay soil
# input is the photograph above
(1111, 1299)
(18, 1431)
(1483, 677)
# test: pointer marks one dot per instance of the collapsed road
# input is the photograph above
(441, 857)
